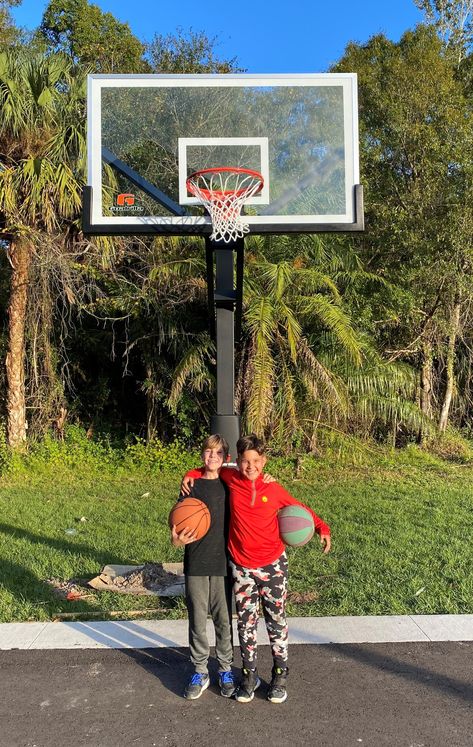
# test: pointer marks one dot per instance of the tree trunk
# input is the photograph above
(151, 423)
(426, 382)
(426, 379)
(20, 259)
(452, 338)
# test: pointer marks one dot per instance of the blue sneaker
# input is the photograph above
(227, 684)
(198, 683)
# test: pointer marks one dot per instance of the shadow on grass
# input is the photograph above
(101, 556)
(26, 587)
(22, 582)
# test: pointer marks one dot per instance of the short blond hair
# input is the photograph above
(214, 442)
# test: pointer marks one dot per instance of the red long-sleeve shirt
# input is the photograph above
(254, 530)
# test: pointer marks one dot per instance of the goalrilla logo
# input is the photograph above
(126, 199)
(126, 202)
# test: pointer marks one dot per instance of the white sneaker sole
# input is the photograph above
(228, 693)
(244, 699)
(278, 700)
(196, 697)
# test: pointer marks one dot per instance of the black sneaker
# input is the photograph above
(277, 692)
(198, 683)
(227, 684)
(249, 683)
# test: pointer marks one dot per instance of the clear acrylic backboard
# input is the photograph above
(148, 133)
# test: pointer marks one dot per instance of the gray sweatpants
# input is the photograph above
(212, 594)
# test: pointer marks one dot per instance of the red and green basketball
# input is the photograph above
(296, 525)
(191, 513)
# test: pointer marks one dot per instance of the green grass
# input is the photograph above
(120, 527)
(401, 524)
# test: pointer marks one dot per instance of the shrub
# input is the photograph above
(78, 451)
(155, 456)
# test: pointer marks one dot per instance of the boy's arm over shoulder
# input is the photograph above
(195, 473)
(187, 482)
(227, 474)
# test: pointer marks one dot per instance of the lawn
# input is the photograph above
(401, 521)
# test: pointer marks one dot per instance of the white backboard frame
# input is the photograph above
(201, 224)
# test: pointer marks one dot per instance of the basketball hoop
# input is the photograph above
(223, 191)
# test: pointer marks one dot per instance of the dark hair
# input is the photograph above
(251, 443)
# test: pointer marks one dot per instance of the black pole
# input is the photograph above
(225, 298)
(209, 261)
(240, 257)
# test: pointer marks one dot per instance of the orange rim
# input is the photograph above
(210, 194)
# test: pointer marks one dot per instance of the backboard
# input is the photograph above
(148, 133)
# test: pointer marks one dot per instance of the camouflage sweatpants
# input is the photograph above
(267, 584)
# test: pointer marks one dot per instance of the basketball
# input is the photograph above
(191, 513)
(296, 525)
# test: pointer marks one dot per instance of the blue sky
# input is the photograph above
(266, 37)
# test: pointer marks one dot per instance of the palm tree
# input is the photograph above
(289, 305)
(41, 160)
(286, 303)
(302, 366)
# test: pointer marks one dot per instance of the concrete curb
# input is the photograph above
(173, 633)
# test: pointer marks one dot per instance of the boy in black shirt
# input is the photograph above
(208, 585)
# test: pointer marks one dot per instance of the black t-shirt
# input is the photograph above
(208, 556)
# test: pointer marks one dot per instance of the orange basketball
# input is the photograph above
(191, 513)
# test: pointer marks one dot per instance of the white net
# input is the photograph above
(223, 192)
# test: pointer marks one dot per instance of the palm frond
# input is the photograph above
(391, 411)
(292, 327)
(192, 370)
(336, 320)
(321, 383)
(285, 419)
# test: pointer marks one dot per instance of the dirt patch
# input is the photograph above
(72, 590)
(161, 579)
(151, 576)
(157, 579)
(301, 597)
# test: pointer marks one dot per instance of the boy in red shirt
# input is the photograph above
(259, 563)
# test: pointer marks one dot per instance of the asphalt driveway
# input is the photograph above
(374, 695)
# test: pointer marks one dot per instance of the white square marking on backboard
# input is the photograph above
(184, 142)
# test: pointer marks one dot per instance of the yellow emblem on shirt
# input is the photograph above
(264, 499)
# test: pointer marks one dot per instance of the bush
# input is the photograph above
(452, 447)
(5, 451)
(155, 456)
(78, 451)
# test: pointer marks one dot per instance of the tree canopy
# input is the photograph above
(97, 39)
(371, 335)
(187, 52)
(8, 32)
